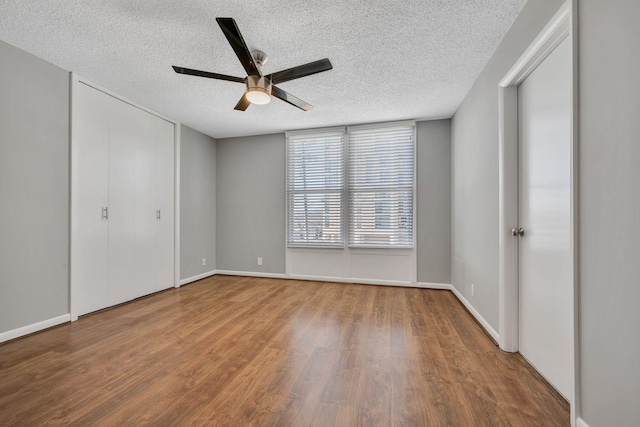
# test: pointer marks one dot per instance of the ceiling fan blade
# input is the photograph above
(232, 33)
(300, 71)
(243, 104)
(191, 72)
(290, 99)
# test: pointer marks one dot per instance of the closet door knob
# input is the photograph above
(158, 214)
(517, 232)
(105, 212)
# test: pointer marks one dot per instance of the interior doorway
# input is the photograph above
(537, 206)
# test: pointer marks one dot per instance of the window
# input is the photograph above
(380, 186)
(315, 188)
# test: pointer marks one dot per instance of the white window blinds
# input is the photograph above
(380, 183)
(315, 189)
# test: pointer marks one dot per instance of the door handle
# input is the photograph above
(158, 214)
(517, 232)
(105, 212)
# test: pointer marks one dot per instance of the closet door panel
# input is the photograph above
(145, 205)
(124, 134)
(90, 264)
(165, 192)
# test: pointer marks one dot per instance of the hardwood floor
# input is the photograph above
(230, 351)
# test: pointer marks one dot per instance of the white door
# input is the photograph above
(164, 203)
(145, 246)
(123, 202)
(90, 237)
(545, 270)
(123, 140)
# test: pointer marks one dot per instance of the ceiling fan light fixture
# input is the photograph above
(258, 90)
(258, 96)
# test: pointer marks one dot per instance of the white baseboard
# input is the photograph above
(197, 277)
(252, 274)
(487, 327)
(428, 285)
(581, 423)
(35, 327)
(358, 281)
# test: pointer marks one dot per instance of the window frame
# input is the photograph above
(310, 134)
(345, 211)
(382, 127)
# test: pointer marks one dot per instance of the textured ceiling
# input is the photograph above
(392, 60)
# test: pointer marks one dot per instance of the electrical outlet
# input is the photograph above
(204, 261)
(259, 260)
(473, 290)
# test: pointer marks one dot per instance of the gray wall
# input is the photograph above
(251, 197)
(609, 212)
(34, 189)
(250, 178)
(197, 202)
(475, 167)
(433, 201)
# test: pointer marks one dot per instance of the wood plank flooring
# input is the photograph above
(230, 351)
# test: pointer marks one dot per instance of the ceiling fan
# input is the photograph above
(260, 88)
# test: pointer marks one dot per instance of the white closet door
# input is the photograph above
(90, 264)
(124, 161)
(165, 155)
(124, 138)
(145, 205)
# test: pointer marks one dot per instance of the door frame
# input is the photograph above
(561, 26)
(76, 80)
